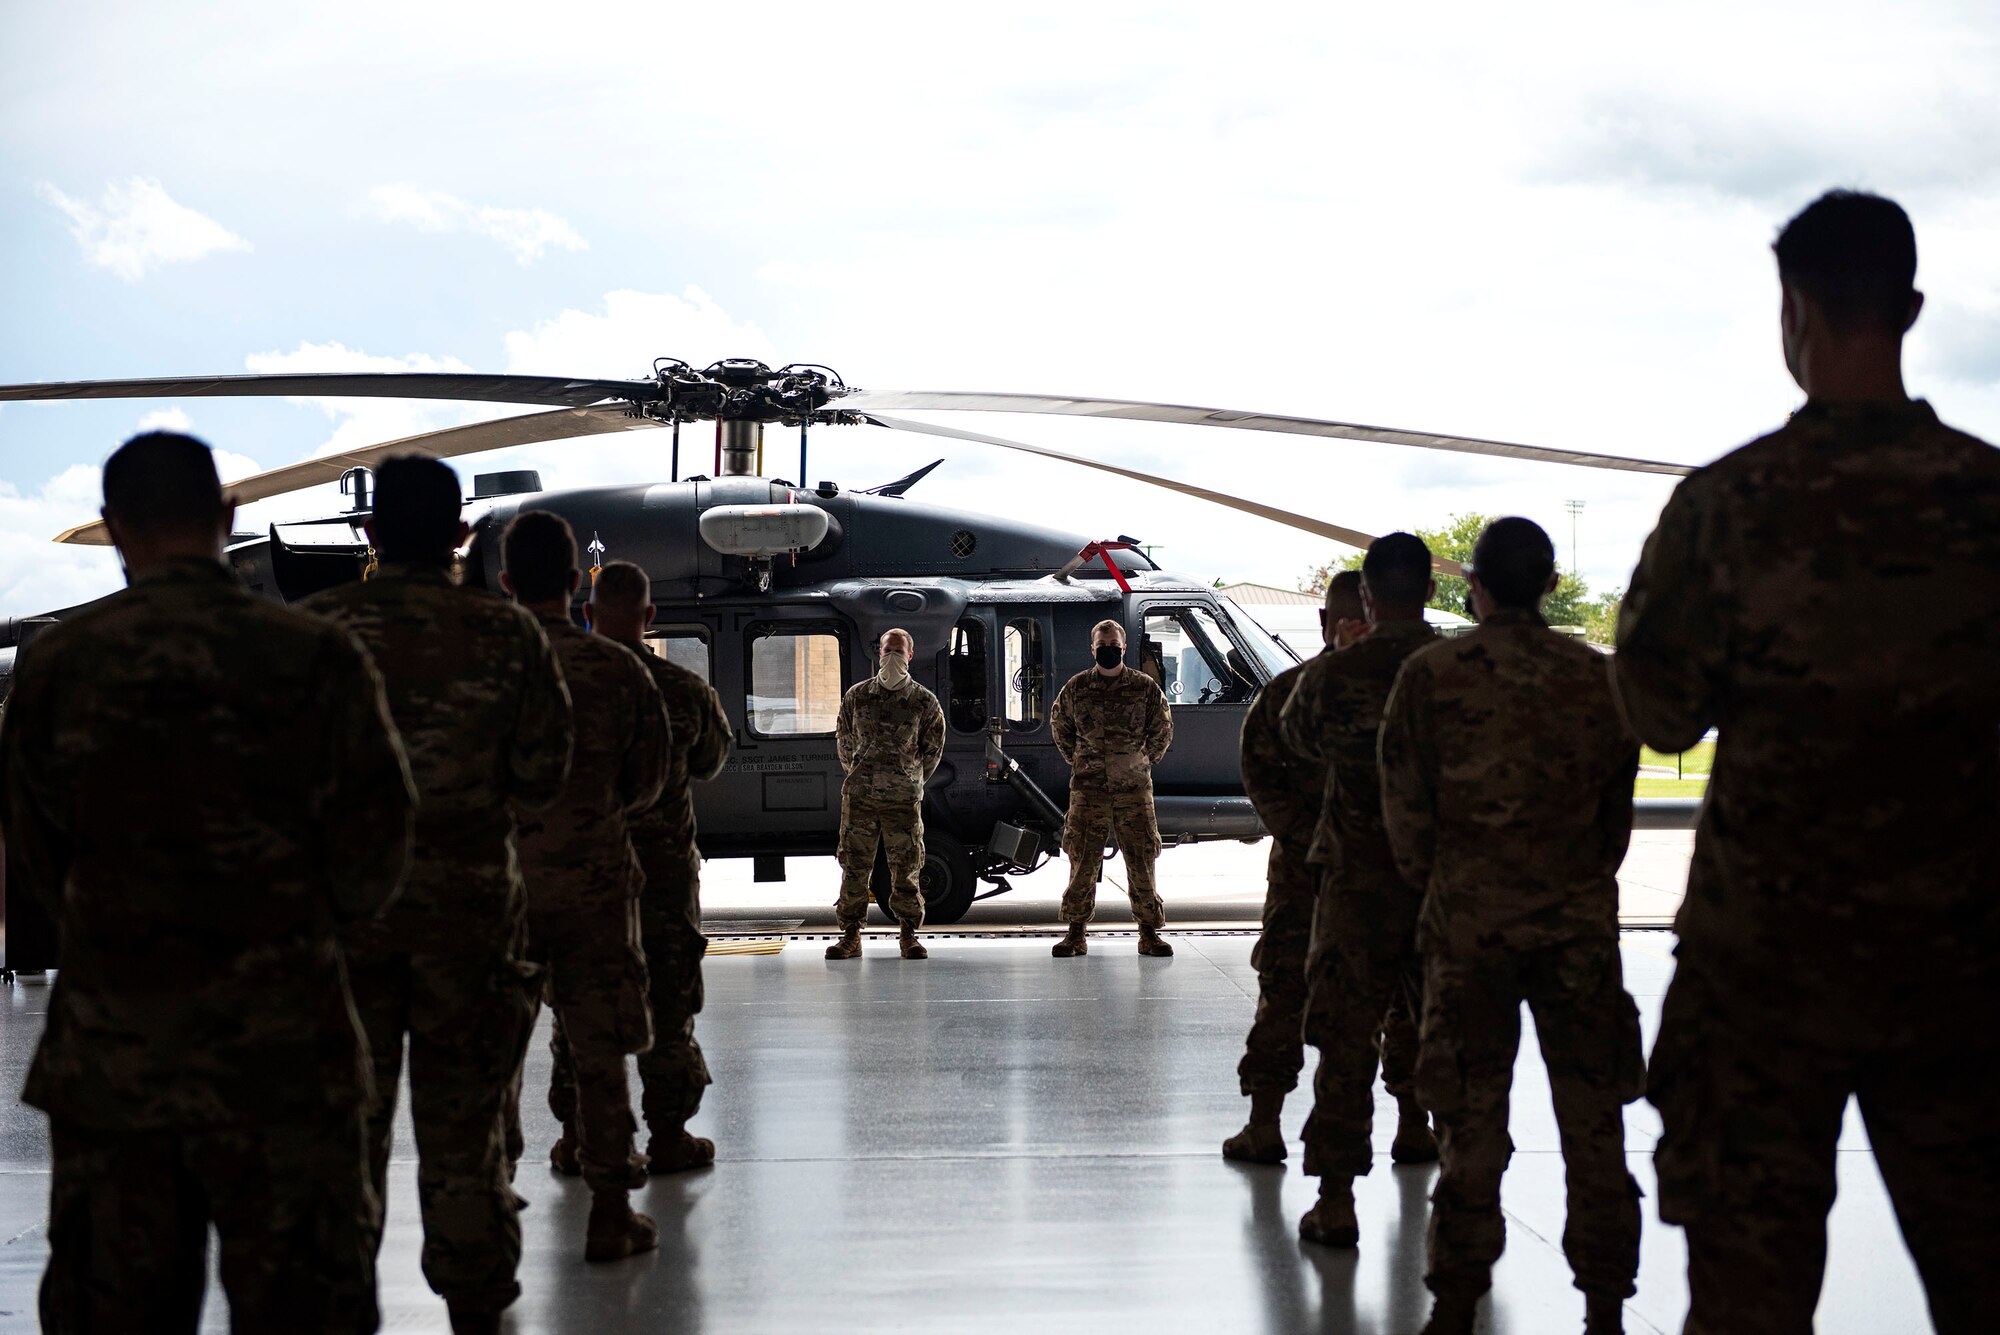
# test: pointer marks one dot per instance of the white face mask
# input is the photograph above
(895, 669)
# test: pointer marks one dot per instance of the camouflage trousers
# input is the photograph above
(1095, 817)
(467, 1018)
(897, 828)
(1364, 991)
(1751, 1092)
(1589, 1033)
(1274, 1052)
(129, 1213)
(597, 988)
(672, 1073)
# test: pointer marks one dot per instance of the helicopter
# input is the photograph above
(776, 591)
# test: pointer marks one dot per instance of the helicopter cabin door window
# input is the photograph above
(1190, 656)
(965, 676)
(795, 683)
(1026, 674)
(685, 646)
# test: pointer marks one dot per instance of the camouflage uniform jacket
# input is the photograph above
(1826, 597)
(485, 720)
(202, 786)
(889, 740)
(577, 853)
(1332, 719)
(1284, 788)
(1112, 730)
(1507, 787)
(665, 831)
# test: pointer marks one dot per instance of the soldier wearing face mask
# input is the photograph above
(1110, 723)
(890, 737)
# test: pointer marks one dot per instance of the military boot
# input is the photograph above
(1453, 1312)
(1150, 942)
(848, 947)
(912, 948)
(616, 1230)
(675, 1151)
(1603, 1314)
(563, 1154)
(1331, 1222)
(1071, 945)
(1414, 1142)
(1262, 1139)
(473, 1323)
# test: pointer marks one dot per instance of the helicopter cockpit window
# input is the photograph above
(1026, 674)
(686, 646)
(965, 675)
(1270, 650)
(1187, 652)
(795, 683)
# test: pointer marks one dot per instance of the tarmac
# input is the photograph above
(992, 1140)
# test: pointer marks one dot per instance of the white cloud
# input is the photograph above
(632, 329)
(525, 233)
(36, 574)
(139, 227)
(167, 419)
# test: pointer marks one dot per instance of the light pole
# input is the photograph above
(1575, 508)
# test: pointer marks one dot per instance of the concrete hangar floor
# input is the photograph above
(992, 1140)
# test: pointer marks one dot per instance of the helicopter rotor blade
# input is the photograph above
(867, 402)
(546, 391)
(474, 438)
(1305, 523)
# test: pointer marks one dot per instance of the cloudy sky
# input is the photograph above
(1540, 221)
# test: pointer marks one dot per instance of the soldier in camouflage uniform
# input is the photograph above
(672, 1073)
(1507, 792)
(1363, 975)
(485, 718)
(1111, 725)
(890, 736)
(583, 880)
(202, 787)
(1286, 792)
(1825, 597)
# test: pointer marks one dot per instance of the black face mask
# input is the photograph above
(1109, 656)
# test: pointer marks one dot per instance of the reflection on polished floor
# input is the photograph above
(994, 1140)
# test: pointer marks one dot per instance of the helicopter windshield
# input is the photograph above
(1272, 652)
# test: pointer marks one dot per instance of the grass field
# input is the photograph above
(1696, 760)
(1648, 787)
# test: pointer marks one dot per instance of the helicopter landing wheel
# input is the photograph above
(946, 880)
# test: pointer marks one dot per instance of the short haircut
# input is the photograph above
(1343, 596)
(538, 555)
(1108, 627)
(621, 584)
(1514, 559)
(1397, 570)
(417, 502)
(163, 480)
(908, 638)
(1854, 254)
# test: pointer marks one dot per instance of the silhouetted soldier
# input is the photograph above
(672, 1073)
(485, 718)
(1285, 788)
(1363, 963)
(1507, 796)
(1111, 725)
(890, 738)
(1826, 597)
(583, 879)
(202, 786)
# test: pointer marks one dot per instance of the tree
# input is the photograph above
(1600, 622)
(1569, 605)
